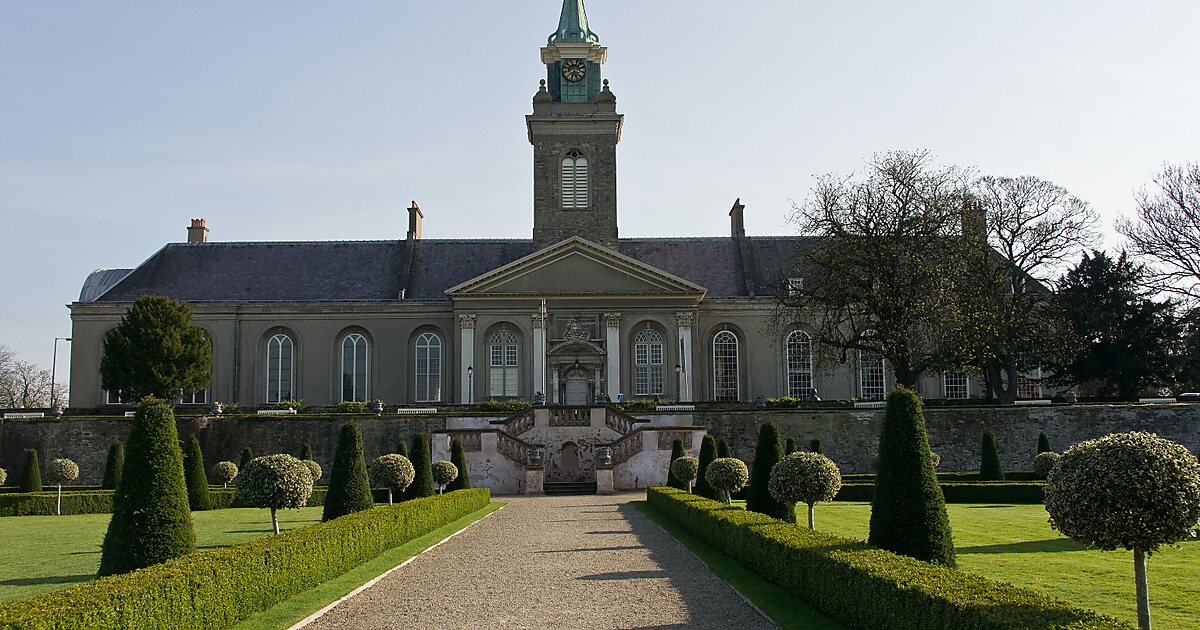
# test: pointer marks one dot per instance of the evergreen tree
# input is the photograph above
(196, 477)
(31, 479)
(790, 446)
(402, 449)
(151, 522)
(815, 446)
(723, 449)
(989, 464)
(306, 452)
(458, 457)
(349, 488)
(766, 455)
(247, 455)
(155, 351)
(422, 461)
(708, 452)
(908, 515)
(1044, 444)
(112, 468)
(676, 452)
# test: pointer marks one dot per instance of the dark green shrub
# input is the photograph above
(676, 452)
(766, 455)
(908, 514)
(993, 492)
(790, 446)
(422, 461)
(347, 406)
(708, 452)
(402, 449)
(458, 457)
(197, 479)
(814, 446)
(306, 453)
(156, 351)
(349, 489)
(31, 477)
(151, 521)
(247, 455)
(112, 467)
(723, 449)
(1044, 444)
(989, 463)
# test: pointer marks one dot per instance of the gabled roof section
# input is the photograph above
(576, 266)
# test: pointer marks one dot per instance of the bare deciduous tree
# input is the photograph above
(1166, 230)
(24, 385)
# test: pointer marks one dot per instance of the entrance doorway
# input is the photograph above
(577, 390)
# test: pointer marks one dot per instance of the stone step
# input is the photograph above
(561, 488)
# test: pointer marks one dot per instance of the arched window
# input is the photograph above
(648, 363)
(799, 364)
(504, 378)
(354, 368)
(429, 368)
(280, 366)
(725, 366)
(574, 180)
(871, 384)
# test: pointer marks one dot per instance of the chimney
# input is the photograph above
(414, 222)
(198, 233)
(737, 219)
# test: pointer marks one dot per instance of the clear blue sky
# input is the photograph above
(120, 121)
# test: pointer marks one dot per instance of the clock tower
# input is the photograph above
(574, 130)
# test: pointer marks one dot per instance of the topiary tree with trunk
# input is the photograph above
(247, 455)
(989, 463)
(349, 488)
(458, 457)
(708, 452)
(197, 479)
(443, 473)
(790, 446)
(31, 477)
(151, 522)
(156, 351)
(113, 466)
(814, 446)
(225, 472)
(723, 448)
(1044, 444)
(3, 476)
(314, 469)
(61, 471)
(908, 514)
(805, 478)
(306, 453)
(1133, 491)
(1043, 463)
(766, 455)
(393, 472)
(685, 469)
(275, 482)
(727, 475)
(676, 452)
(422, 461)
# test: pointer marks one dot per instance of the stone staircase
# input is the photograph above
(566, 488)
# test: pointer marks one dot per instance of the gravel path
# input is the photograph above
(552, 562)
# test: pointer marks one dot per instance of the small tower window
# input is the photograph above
(574, 180)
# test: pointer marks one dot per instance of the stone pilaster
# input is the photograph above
(466, 325)
(612, 346)
(684, 320)
(539, 355)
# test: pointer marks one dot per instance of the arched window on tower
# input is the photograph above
(429, 368)
(504, 363)
(725, 367)
(354, 368)
(280, 368)
(648, 363)
(799, 365)
(574, 180)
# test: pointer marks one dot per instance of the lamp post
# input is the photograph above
(470, 384)
(53, 368)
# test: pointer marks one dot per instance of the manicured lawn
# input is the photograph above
(40, 554)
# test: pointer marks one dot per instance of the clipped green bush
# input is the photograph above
(314, 469)
(113, 466)
(908, 513)
(3, 476)
(708, 452)
(804, 478)
(393, 472)
(151, 521)
(247, 455)
(458, 457)
(61, 471)
(790, 446)
(443, 473)
(1043, 444)
(723, 448)
(989, 464)
(727, 475)
(676, 452)
(766, 455)
(225, 472)
(814, 446)
(349, 488)
(306, 452)
(275, 482)
(31, 477)
(422, 461)
(402, 449)
(196, 478)
(1133, 491)
(685, 469)
(993, 492)
(1043, 463)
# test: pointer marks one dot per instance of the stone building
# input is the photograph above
(575, 312)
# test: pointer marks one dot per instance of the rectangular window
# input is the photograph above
(872, 382)
(118, 398)
(199, 397)
(1029, 384)
(956, 385)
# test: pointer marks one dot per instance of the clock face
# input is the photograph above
(574, 70)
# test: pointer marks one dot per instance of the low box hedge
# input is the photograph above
(952, 477)
(863, 587)
(100, 501)
(216, 589)
(1015, 492)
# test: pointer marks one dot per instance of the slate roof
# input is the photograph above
(327, 271)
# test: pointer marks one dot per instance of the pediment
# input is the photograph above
(576, 267)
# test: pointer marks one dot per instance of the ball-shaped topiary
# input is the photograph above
(394, 472)
(805, 477)
(61, 471)
(443, 473)
(1127, 490)
(275, 482)
(685, 469)
(224, 472)
(314, 469)
(3, 476)
(727, 475)
(1043, 463)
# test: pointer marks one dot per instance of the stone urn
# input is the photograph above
(539, 399)
(534, 457)
(218, 409)
(604, 456)
(377, 407)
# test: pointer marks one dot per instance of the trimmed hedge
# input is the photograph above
(100, 501)
(1020, 475)
(218, 588)
(1014, 492)
(863, 587)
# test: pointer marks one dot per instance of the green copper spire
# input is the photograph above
(573, 25)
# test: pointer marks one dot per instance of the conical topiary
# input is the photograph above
(247, 455)
(196, 477)
(676, 452)
(908, 515)
(815, 446)
(790, 446)
(1044, 444)
(708, 452)
(112, 468)
(306, 452)
(422, 461)
(989, 464)
(458, 457)
(766, 455)
(31, 477)
(349, 488)
(402, 449)
(151, 522)
(723, 449)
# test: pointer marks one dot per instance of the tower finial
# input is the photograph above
(573, 25)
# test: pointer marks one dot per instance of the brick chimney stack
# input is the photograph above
(414, 222)
(198, 233)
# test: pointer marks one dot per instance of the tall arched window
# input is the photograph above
(871, 385)
(648, 363)
(280, 368)
(504, 378)
(429, 368)
(725, 366)
(799, 364)
(354, 368)
(574, 180)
